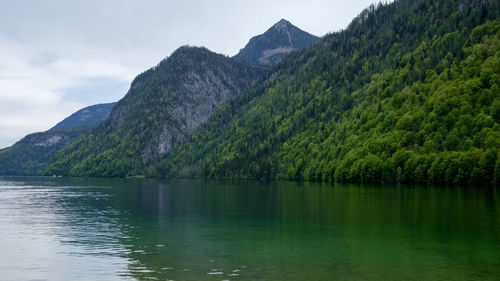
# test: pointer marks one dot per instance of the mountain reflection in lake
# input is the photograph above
(131, 229)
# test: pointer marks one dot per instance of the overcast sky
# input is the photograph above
(57, 56)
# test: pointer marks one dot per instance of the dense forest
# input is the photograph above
(409, 92)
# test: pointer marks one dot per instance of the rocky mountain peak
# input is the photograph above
(270, 47)
(282, 25)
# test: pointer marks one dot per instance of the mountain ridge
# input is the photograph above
(86, 117)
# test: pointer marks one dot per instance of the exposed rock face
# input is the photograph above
(49, 139)
(207, 93)
(201, 93)
(273, 55)
(464, 4)
(277, 41)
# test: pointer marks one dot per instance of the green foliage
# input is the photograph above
(409, 92)
(496, 177)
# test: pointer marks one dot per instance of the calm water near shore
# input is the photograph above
(133, 229)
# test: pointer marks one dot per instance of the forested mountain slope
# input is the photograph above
(31, 155)
(408, 92)
(163, 107)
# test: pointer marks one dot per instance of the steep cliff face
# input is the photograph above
(270, 47)
(163, 107)
(205, 92)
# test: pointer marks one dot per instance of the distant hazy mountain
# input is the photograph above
(87, 117)
(30, 155)
(277, 41)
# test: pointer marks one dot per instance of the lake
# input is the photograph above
(136, 229)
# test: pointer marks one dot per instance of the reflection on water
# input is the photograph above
(118, 229)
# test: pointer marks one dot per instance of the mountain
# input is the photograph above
(87, 117)
(409, 92)
(163, 107)
(270, 47)
(33, 153)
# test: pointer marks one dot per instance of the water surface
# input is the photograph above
(124, 229)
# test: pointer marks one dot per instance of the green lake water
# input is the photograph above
(132, 229)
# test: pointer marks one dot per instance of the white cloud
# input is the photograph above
(34, 87)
